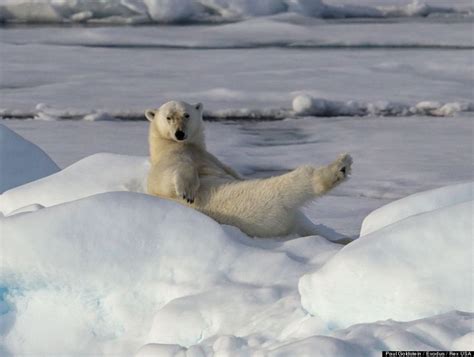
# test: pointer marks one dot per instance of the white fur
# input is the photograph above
(183, 170)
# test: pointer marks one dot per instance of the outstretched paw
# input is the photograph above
(330, 176)
(342, 168)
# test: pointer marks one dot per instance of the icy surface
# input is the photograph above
(21, 161)
(95, 174)
(176, 11)
(285, 56)
(81, 286)
(304, 105)
(394, 259)
(415, 204)
(451, 331)
(129, 255)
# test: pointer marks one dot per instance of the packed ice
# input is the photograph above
(293, 66)
(173, 11)
(304, 105)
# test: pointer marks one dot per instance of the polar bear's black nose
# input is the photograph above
(179, 135)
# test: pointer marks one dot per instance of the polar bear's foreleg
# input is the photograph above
(186, 182)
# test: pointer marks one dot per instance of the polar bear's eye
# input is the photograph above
(186, 115)
(168, 118)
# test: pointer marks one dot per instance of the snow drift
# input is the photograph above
(166, 11)
(415, 204)
(359, 340)
(417, 267)
(116, 271)
(114, 258)
(92, 175)
(21, 161)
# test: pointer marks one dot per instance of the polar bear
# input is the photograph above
(183, 170)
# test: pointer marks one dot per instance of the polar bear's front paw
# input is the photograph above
(187, 195)
(187, 191)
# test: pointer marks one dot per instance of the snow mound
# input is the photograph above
(305, 105)
(21, 161)
(93, 270)
(177, 11)
(417, 203)
(388, 273)
(94, 174)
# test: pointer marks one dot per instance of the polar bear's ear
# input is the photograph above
(198, 106)
(150, 114)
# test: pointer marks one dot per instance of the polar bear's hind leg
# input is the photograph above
(307, 182)
(269, 207)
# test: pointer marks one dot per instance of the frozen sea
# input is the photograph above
(383, 71)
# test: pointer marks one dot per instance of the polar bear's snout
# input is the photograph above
(178, 123)
(180, 135)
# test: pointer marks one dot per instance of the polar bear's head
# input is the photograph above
(178, 121)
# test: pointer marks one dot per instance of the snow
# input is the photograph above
(95, 174)
(335, 60)
(305, 105)
(158, 248)
(25, 209)
(122, 240)
(415, 204)
(30, 162)
(168, 11)
(302, 106)
(435, 333)
(387, 274)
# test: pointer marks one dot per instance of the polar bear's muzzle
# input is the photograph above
(180, 135)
